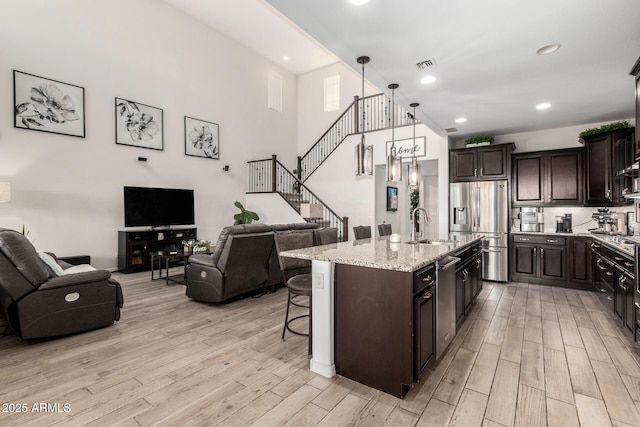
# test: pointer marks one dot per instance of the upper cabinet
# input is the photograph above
(635, 71)
(608, 154)
(490, 162)
(548, 178)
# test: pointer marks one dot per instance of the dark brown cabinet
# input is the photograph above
(468, 280)
(635, 71)
(607, 155)
(135, 247)
(548, 178)
(538, 259)
(483, 163)
(424, 314)
(580, 260)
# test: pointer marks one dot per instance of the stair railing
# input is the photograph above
(271, 176)
(377, 116)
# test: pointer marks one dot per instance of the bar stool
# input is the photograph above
(297, 276)
(384, 230)
(362, 232)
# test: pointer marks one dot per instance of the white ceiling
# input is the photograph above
(487, 67)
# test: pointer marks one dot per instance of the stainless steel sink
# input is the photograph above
(433, 242)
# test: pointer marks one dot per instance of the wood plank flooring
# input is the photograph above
(527, 355)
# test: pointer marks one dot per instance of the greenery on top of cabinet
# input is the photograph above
(623, 124)
(478, 139)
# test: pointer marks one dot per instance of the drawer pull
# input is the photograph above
(617, 258)
(524, 239)
(628, 264)
(609, 298)
(426, 279)
(552, 240)
(603, 290)
(608, 273)
(428, 295)
(637, 305)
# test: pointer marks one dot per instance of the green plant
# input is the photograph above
(478, 139)
(623, 124)
(244, 216)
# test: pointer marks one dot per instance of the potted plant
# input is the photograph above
(622, 124)
(475, 141)
(244, 216)
(195, 246)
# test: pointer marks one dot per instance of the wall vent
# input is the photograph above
(449, 130)
(427, 63)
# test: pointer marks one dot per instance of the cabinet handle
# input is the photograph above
(599, 266)
(478, 263)
(622, 280)
(603, 290)
(542, 252)
(609, 194)
(534, 251)
(524, 239)
(617, 258)
(628, 264)
(426, 279)
(552, 241)
(637, 305)
(475, 172)
(481, 169)
(609, 298)
(428, 295)
(608, 273)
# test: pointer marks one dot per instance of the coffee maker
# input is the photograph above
(563, 223)
(603, 216)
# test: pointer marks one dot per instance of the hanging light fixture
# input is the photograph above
(394, 162)
(413, 170)
(364, 153)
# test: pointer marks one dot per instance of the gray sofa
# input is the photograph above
(43, 300)
(244, 259)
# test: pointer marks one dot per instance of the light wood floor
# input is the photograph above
(527, 355)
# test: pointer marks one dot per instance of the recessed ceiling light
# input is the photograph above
(547, 49)
(358, 2)
(286, 58)
(461, 120)
(426, 80)
(543, 106)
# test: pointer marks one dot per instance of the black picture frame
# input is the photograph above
(201, 138)
(139, 125)
(47, 105)
(392, 199)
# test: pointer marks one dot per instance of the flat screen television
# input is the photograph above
(157, 207)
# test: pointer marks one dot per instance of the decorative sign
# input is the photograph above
(406, 147)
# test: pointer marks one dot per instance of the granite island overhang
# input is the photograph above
(363, 305)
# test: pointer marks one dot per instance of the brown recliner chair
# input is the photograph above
(36, 303)
(239, 264)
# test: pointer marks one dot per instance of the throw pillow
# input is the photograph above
(51, 265)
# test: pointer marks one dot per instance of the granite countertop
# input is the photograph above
(382, 253)
(620, 242)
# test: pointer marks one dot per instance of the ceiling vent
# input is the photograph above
(427, 63)
(449, 130)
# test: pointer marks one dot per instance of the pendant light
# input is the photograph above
(413, 170)
(364, 153)
(394, 162)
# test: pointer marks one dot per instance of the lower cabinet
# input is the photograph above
(424, 341)
(468, 280)
(538, 258)
(580, 260)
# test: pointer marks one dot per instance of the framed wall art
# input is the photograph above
(138, 124)
(392, 199)
(201, 138)
(47, 105)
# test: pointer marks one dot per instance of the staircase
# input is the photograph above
(377, 116)
(271, 176)
(368, 114)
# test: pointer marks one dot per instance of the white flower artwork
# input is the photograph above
(201, 138)
(138, 124)
(47, 105)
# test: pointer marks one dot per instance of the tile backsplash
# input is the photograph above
(582, 221)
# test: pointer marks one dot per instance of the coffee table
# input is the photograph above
(165, 259)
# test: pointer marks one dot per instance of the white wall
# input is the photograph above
(547, 139)
(313, 122)
(355, 196)
(68, 191)
(272, 209)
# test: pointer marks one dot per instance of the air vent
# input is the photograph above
(427, 63)
(449, 130)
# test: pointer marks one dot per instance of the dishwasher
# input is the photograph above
(445, 302)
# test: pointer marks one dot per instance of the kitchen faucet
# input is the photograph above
(413, 218)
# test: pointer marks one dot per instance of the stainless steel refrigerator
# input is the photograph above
(483, 207)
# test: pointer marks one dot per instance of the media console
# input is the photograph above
(135, 247)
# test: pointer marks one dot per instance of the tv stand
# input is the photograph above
(135, 247)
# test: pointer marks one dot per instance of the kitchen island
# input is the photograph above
(373, 316)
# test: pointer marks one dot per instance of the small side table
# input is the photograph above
(166, 259)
